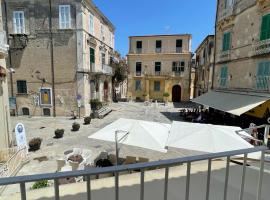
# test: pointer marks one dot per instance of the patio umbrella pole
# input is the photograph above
(116, 147)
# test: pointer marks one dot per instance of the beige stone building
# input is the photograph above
(242, 59)
(61, 55)
(159, 64)
(5, 138)
(204, 66)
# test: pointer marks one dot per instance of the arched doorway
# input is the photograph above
(106, 91)
(176, 93)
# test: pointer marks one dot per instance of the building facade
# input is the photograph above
(5, 138)
(159, 64)
(61, 55)
(242, 59)
(204, 66)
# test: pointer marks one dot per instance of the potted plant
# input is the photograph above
(75, 126)
(59, 133)
(166, 95)
(87, 120)
(34, 144)
(145, 96)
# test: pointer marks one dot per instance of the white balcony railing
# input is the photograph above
(162, 164)
(261, 47)
(3, 43)
(104, 69)
(224, 56)
(177, 74)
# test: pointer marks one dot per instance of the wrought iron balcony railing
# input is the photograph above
(224, 56)
(142, 167)
(225, 13)
(261, 47)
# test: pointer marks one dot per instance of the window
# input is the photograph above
(265, 27)
(223, 76)
(179, 44)
(158, 46)
(228, 3)
(21, 87)
(92, 55)
(138, 85)
(156, 86)
(25, 111)
(138, 68)
(102, 32)
(139, 46)
(103, 59)
(157, 68)
(46, 112)
(263, 76)
(178, 66)
(226, 41)
(91, 24)
(18, 22)
(64, 17)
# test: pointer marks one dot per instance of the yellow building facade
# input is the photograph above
(159, 67)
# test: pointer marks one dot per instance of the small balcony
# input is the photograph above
(177, 74)
(261, 47)
(138, 73)
(224, 56)
(179, 50)
(104, 69)
(3, 43)
(158, 50)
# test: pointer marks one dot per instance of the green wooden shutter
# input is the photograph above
(260, 72)
(92, 55)
(265, 27)
(226, 41)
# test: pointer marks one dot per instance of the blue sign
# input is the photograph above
(12, 103)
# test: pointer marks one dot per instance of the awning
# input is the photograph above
(236, 103)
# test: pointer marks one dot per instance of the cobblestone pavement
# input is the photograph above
(54, 148)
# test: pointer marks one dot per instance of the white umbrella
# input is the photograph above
(144, 134)
(205, 137)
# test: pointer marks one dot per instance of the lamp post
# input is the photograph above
(116, 143)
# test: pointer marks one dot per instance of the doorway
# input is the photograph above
(106, 91)
(176, 93)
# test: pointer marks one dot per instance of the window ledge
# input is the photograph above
(22, 94)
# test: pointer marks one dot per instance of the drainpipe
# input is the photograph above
(215, 47)
(52, 57)
(9, 52)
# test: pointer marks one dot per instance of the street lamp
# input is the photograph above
(117, 140)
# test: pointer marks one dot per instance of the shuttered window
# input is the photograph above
(92, 55)
(156, 86)
(18, 22)
(21, 87)
(263, 76)
(223, 76)
(138, 85)
(226, 41)
(265, 27)
(64, 17)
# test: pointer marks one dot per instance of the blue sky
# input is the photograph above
(148, 17)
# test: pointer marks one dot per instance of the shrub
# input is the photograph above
(59, 133)
(34, 144)
(40, 184)
(87, 120)
(166, 94)
(95, 104)
(75, 126)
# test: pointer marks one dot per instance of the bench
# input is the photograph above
(102, 112)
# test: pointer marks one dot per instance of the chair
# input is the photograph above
(60, 164)
(130, 160)
(143, 160)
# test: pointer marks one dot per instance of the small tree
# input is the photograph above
(120, 73)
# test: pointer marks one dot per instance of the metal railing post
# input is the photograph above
(56, 189)
(88, 186)
(259, 190)
(116, 186)
(142, 185)
(241, 196)
(208, 179)
(188, 180)
(23, 191)
(166, 183)
(227, 178)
